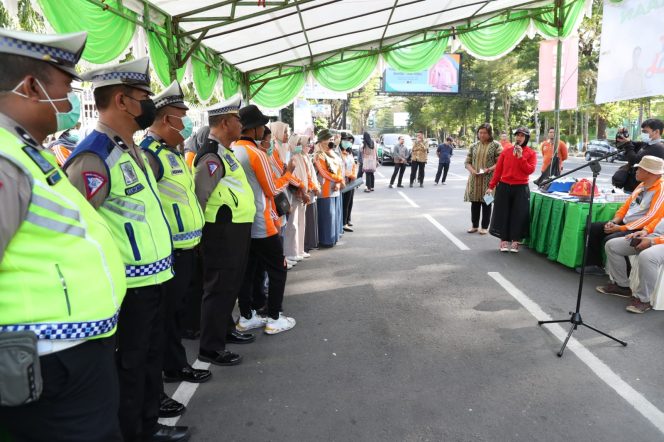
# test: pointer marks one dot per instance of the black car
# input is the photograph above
(600, 148)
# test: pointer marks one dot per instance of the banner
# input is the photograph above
(303, 122)
(441, 78)
(569, 75)
(631, 58)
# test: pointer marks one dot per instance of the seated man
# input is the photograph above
(650, 248)
(644, 206)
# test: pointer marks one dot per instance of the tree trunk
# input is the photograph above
(601, 128)
(586, 120)
(507, 103)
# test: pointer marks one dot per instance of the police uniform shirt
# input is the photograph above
(89, 162)
(209, 171)
(15, 189)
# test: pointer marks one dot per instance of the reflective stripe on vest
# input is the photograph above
(46, 270)
(233, 190)
(178, 197)
(134, 214)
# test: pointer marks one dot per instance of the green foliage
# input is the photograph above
(28, 18)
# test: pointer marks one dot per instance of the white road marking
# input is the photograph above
(624, 390)
(457, 242)
(408, 200)
(380, 174)
(184, 393)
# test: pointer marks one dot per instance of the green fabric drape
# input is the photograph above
(277, 92)
(205, 79)
(231, 85)
(416, 57)
(493, 42)
(347, 75)
(573, 15)
(108, 34)
(159, 59)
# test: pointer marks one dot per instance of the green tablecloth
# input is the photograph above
(556, 226)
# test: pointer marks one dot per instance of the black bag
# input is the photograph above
(282, 203)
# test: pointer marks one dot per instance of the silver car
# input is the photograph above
(387, 143)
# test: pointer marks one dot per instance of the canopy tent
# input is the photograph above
(266, 52)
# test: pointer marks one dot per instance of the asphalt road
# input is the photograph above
(404, 336)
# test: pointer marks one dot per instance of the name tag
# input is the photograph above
(134, 189)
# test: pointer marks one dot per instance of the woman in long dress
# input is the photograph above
(480, 163)
(331, 180)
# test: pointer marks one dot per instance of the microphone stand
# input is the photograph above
(575, 317)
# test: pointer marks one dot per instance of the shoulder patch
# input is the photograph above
(212, 166)
(93, 182)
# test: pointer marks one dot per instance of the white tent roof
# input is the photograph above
(299, 32)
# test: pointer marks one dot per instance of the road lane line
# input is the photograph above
(408, 200)
(184, 393)
(457, 242)
(380, 174)
(613, 380)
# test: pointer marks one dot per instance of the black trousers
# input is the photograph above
(194, 296)
(268, 254)
(311, 227)
(399, 168)
(596, 241)
(511, 212)
(475, 209)
(347, 201)
(369, 179)
(225, 248)
(442, 168)
(175, 291)
(140, 359)
(79, 400)
(417, 168)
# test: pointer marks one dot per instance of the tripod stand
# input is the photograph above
(575, 319)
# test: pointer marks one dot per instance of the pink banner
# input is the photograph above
(569, 74)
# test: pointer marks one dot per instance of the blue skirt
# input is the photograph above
(328, 231)
(340, 216)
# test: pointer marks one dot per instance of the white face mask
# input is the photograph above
(645, 137)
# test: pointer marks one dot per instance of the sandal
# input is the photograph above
(472, 230)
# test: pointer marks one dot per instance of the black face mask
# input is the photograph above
(330, 145)
(148, 113)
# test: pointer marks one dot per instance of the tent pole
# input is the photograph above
(559, 61)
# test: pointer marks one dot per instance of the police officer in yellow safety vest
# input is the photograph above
(228, 203)
(61, 275)
(178, 199)
(114, 175)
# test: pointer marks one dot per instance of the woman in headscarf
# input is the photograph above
(369, 161)
(331, 180)
(311, 216)
(280, 138)
(350, 173)
(480, 163)
(295, 226)
(511, 212)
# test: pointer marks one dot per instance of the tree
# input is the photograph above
(362, 102)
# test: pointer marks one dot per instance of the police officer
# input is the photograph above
(178, 200)
(228, 203)
(113, 174)
(56, 328)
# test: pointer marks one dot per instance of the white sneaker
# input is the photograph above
(282, 324)
(289, 266)
(306, 255)
(244, 324)
(293, 259)
(300, 257)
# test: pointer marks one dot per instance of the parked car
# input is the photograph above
(357, 145)
(433, 142)
(387, 143)
(600, 148)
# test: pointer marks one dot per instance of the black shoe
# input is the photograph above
(222, 357)
(188, 374)
(399, 185)
(411, 184)
(191, 334)
(421, 184)
(166, 433)
(391, 186)
(170, 407)
(235, 337)
(350, 224)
